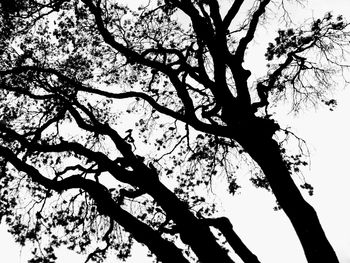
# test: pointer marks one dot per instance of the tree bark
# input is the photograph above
(266, 152)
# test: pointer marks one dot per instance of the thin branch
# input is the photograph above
(106, 239)
(78, 167)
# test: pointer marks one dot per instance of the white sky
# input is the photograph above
(267, 233)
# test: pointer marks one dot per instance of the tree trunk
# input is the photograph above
(266, 152)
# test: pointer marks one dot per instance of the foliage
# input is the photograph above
(115, 121)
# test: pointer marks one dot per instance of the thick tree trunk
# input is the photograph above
(266, 152)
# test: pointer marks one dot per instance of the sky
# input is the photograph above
(266, 232)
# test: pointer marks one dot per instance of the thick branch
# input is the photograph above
(192, 231)
(215, 14)
(164, 250)
(225, 227)
(232, 12)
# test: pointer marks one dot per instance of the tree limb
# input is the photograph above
(232, 12)
(164, 250)
(225, 227)
(243, 43)
(98, 157)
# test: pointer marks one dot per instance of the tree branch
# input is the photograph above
(191, 120)
(135, 57)
(231, 14)
(81, 87)
(104, 163)
(215, 14)
(164, 250)
(243, 43)
(225, 227)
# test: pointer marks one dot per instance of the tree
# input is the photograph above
(74, 73)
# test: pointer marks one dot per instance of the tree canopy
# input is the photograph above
(115, 120)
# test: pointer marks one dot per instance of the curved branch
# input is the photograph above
(263, 90)
(243, 43)
(103, 161)
(109, 39)
(135, 57)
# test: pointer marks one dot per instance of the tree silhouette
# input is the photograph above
(115, 120)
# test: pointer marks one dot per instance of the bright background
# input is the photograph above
(266, 232)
